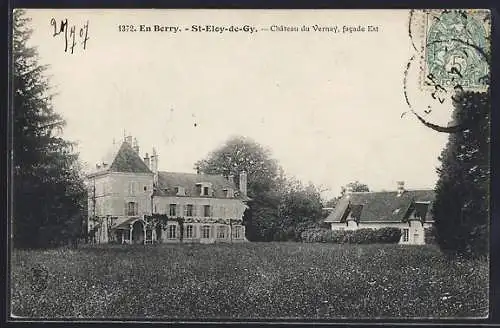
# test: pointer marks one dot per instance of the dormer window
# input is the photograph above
(180, 191)
(421, 209)
(204, 188)
(229, 192)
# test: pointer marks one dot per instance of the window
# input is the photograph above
(172, 231)
(173, 210)
(131, 188)
(189, 231)
(205, 191)
(229, 193)
(206, 210)
(222, 232)
(132, 208)
(205, 231)
(406, 233)
(188, 210)
(180, 191)
(237, 232)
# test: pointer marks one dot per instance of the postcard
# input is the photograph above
(188, 165)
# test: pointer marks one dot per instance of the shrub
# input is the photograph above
(389, 235)
(360, 236)
(430, 235)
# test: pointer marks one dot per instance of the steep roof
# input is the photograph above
(123, 158)
(383, 206)
(128, 160)
(168, 181)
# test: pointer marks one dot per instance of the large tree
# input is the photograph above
(243, 154)
(48, 193)
(279, 205)
(355, 186)
(462, 191)
(301, 207)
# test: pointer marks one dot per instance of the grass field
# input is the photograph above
(251, 280)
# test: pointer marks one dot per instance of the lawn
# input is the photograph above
(251, 280)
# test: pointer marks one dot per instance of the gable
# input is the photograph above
(128, 160)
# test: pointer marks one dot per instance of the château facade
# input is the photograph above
(131, 202)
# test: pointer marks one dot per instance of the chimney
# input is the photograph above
(154, 166)
(136, 145)
(401, 187)
(128, 139)
(243, 182)
(146, 160)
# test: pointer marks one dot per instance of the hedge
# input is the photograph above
(360, 236)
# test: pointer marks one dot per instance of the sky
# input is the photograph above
(327, 105)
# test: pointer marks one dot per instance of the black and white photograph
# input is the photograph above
(223, 165)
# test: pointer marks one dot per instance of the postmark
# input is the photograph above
(456, 47)
(450, 55)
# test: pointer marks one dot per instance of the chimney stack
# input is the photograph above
(146, 160)
(401, 187)
(154, 166)
(243, 182)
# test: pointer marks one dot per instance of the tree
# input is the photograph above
(280, 205)
(356, 186)
(49, 196)
(301, 207)
(243, 154)
(462, 191)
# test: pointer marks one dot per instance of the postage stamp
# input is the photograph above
(456, 49)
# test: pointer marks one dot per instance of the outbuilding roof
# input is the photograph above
(384, 206)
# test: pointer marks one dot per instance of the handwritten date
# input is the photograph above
(69, 32)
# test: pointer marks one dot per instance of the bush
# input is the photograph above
(430, 235)
(360, 236)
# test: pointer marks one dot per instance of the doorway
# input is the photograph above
(158, 232)
(138, 232)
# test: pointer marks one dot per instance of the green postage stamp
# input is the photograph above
(456, 49)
